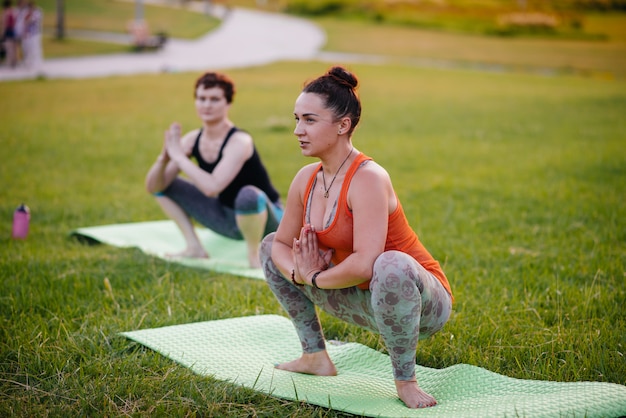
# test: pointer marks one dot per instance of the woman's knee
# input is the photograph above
(392, 272)
(391, 262)
(265, 253)
(391, 257)
(250, 200)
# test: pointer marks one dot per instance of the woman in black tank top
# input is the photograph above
(226, 187)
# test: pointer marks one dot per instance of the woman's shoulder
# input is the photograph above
(240, 143)
(308, 170)
(189, 139)
(241, 133)
(239, 138)
(305, 173)
(191, 136)
(371, 173)
(370, 168)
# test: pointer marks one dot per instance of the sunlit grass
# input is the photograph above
(590, 58)
(114, 16)
(55, 48)
(514, 182)
(602, 56)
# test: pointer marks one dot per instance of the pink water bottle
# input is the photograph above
(21, 219)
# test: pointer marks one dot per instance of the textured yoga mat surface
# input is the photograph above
(244, 351)
(158, 238)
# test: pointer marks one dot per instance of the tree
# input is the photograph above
(60, 26)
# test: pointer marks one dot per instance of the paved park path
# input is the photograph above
(244, 38)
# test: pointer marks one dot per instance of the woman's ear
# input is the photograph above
(344, 125)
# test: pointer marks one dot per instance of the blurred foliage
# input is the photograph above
(557, 18)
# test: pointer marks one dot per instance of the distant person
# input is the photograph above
(346, 246)
(9, 39)
(139, 32)
(31, 39)
(20, 22)
(229, 190)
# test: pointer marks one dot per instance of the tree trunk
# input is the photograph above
(60, 27)
(138, 10)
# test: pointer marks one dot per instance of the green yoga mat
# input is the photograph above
(158, 238)
(244, 351)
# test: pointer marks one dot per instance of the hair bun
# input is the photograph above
(344, 77)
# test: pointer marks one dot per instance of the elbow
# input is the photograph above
(365, 269)
(149, 186)
(152, 186)
(366, 273)
(209, 191)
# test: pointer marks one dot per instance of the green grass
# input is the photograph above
(114, 16)
(403, 44)
(601, 54)
(514, 182)
(71, 47)
(537, 19)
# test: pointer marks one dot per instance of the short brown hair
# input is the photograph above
(212, 79)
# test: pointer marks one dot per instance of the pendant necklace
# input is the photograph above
(326, 190)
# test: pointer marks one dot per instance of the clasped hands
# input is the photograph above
(308, 258)
(171, 143)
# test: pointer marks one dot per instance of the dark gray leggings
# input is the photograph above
(404, 303)
(211, 213)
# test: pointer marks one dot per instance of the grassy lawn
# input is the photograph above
(114, 16)
(71, 47)
(514, 182)
(605, 58)
(602, 54)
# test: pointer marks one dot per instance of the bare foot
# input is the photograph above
(318, 363)
(189, 253)
(412, 395)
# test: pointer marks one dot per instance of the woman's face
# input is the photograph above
(316, 128)
(211, 104)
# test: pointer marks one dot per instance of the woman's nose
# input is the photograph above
(298, 131)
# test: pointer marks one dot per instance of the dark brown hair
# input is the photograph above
(209, 80)
(338, 89)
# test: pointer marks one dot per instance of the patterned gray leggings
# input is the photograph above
(211, 213)
(404, 303)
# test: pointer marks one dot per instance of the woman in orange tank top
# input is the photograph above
(345, 245)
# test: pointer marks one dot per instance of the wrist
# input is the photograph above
(314, 279)
(293, 278)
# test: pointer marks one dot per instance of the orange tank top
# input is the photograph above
(400, 236)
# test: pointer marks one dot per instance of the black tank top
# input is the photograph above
(252, 173)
